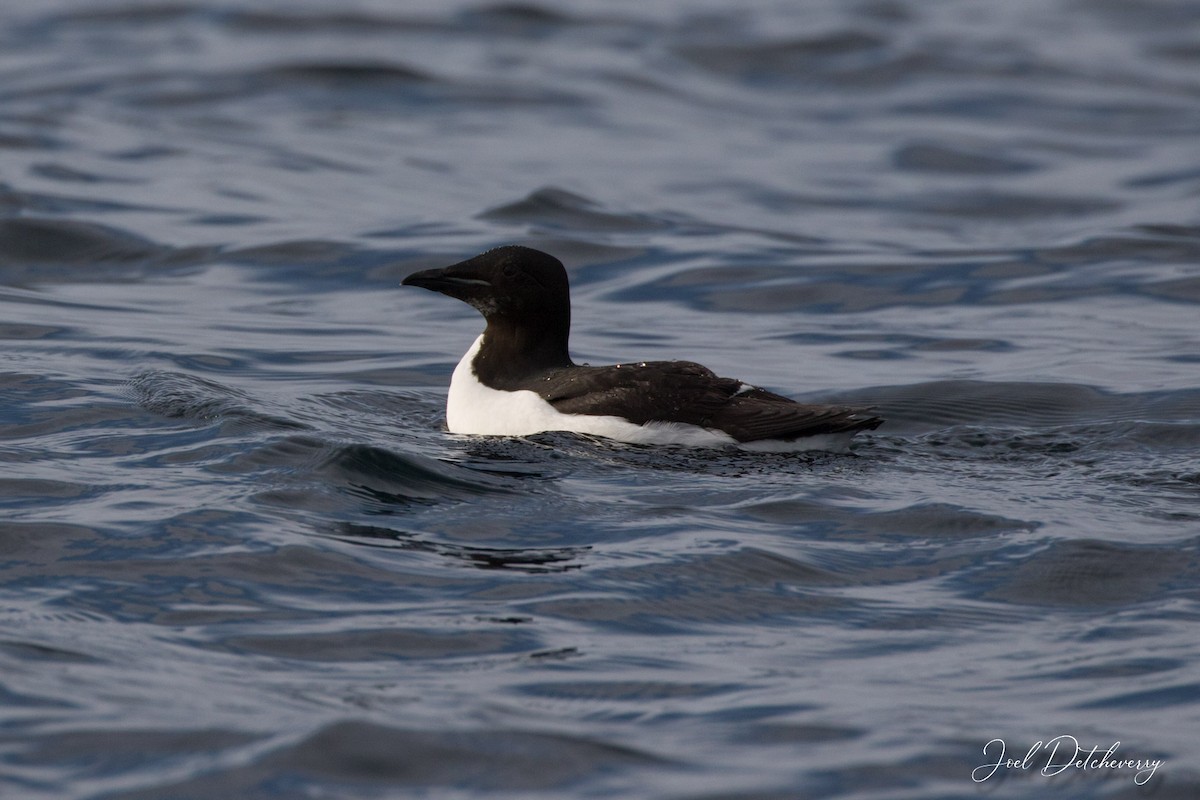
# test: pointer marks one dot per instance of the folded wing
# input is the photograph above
(682, 391)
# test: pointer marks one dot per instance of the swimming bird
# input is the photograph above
(518, 377)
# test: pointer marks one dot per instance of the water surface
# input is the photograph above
(241, 558)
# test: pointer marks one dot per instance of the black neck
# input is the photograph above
(512, 354)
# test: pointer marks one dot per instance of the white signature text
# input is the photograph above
(1062, 753)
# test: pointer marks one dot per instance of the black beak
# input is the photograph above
(456, 281)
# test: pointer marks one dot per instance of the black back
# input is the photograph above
(682, 391)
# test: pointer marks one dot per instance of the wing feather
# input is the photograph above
(682, 391)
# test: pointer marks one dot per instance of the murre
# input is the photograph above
(518, 378)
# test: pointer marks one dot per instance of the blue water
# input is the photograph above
(240, 557)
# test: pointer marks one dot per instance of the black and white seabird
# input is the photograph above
(518, 378)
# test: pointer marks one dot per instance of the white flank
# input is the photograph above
(473, 408)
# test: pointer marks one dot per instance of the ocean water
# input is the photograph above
(241, 558)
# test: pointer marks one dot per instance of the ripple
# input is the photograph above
(520, 559)
(624, 691)
(553, 208)
(849, 55)
(31, 651)
(336, 75)
(101, 752)
(943, 403)
(1180, 694)
(1090, 269)
(180, 395)
(1084, 573)
(349, 21)
(997, 205)
(957, 159)
(367, 755)
(740, 587)
(54, 241)
(387, 644)
(313, 474)
(921, 521)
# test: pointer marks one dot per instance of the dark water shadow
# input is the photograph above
(529, 560)
(182, 396)
(358, 756)
(923, 407)
(1090, 574)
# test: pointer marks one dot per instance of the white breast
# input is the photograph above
(473, 408)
